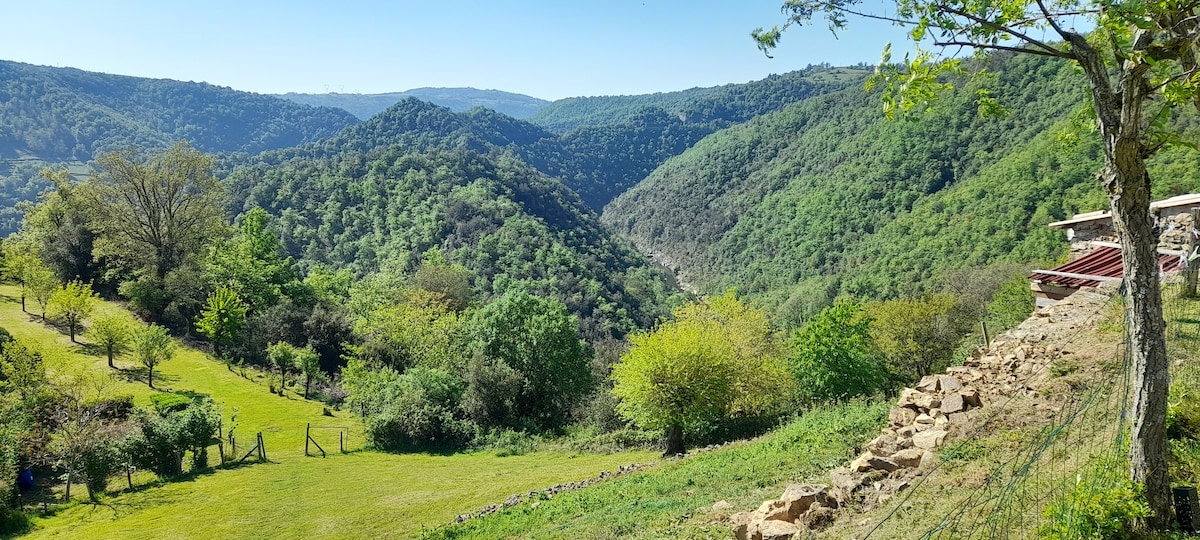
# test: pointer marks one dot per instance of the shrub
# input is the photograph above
(831, 356)
(166, 403)
(163, 439)
(13, 521)
(1099, 507)
(417, 410)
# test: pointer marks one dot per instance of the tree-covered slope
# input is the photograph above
(724, 105)
(365, 106)
(511, 226)
(828, 195)
(70, 114)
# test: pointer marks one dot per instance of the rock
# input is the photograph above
(880, 444)
(818, 517)
(843, 479)
(953, 403)
(777, 530)
(930, 439)
(926, 401)
(871, 462)
(909, 458)
(800, 497)
(721, 506)
(970, 397)
(924, 419)
(929, 383)
(947, 383)
(901, 416)
(862, 463)
(965, 373)
(740, 523)
(773, 511)
(928, 459)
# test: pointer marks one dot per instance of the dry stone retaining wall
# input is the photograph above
(939, 409)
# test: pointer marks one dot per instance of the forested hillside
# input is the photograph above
(365, 106)
(828, 196)
(725, 105)
(512, 227)
(70, 114)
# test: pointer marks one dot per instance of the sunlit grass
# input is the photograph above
(362, 494)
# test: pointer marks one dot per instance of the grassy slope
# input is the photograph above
(358, 495)
(675, 501)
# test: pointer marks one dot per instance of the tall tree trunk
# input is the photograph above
(109, 348)
(1127, 183)
(1147, 338)
(150, 377)
(23, 310)
(675, 440)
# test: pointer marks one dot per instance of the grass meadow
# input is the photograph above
(360, 494)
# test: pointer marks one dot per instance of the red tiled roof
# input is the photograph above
(1102, 262)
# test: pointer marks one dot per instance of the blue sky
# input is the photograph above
(542, 48)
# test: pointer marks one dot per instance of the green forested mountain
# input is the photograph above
(827, 195)
(365, 106)
(511, 226)
(70, 114)
(722, 105)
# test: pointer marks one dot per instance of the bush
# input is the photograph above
(831, 356)
(1012, 304)
(418, 410)
(166, 403)
(164, 438)
(1100, 506)
(13, 521)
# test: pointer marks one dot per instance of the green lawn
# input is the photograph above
(358, 495)
(676, 501)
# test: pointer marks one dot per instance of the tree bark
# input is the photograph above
(110, 357)
(150, 377)
(1127, 183)
(675, 440)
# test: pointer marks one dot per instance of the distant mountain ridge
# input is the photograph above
(365, 106)
(70, 114)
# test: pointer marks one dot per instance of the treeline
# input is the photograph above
(827, 197)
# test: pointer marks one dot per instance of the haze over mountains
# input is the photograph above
(365, 106)
(792, 189)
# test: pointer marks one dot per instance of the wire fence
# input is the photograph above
(1035, 468)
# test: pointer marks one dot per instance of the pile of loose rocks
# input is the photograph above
(940, 408)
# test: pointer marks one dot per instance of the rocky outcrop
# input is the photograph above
(930, 415)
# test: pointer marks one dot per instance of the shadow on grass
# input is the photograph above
(90, 349)
(138, 375)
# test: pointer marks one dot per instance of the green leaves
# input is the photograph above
(223, 317)
(716, 359)
(832, 357)
(74, 301)
(152, 346)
